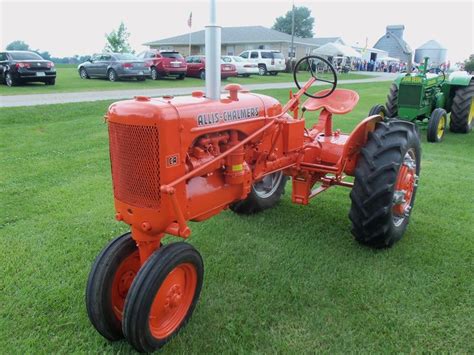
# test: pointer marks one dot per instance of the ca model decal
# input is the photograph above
(211, 118)
(172, 160)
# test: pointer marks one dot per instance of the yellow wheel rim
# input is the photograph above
(471, 113)
(441, 126)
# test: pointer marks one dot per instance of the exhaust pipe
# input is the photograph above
(213, 55)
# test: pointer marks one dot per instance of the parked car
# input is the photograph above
(165, 63)
(114, 66)
(268, 61)
(244, 67)
(197, 66)
(17, 67)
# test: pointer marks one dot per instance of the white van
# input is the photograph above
(268, 61)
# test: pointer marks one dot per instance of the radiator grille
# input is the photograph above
(134, 156)
(409, 95)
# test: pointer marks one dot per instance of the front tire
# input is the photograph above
(107, 287)
(83, 73)
(263, 195)
(392, 101)
(385, 184)
(9, 81)
(163, 296)
(378, 110)
(437, 126)
(462, 111)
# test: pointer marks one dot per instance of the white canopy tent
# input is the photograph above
(336, 50)
(388, 59)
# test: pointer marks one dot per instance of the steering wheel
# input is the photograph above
(309, 61)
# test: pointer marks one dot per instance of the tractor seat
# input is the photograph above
(341, 101)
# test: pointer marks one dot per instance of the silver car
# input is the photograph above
(114, 66)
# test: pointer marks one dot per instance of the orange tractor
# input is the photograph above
(180, 159)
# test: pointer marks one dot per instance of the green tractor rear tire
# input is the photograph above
(392, 101)
(462, 111)
(437, 125)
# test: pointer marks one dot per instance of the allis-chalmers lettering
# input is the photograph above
(206, 119)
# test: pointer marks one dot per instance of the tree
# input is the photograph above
(117, 40)
(469, 64)
(18, 46)
(304, 22)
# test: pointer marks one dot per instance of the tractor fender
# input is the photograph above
(460, 78)
(356, 141)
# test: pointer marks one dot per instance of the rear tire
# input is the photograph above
(154, 74)
(202, 75)
(262, 70)
(378, 110)
(385, 184)
(263, 194)
(392, 101)
(108, 284)
(112, 75)
(437, 126)
(163, 296)
(462, 110)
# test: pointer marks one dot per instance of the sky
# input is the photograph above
(69, 27)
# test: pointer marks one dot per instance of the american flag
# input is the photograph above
(190, 20)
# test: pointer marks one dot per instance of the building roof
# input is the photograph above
(403, 45)
(246, 34)
(431, 45)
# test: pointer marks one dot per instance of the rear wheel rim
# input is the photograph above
(122, 281)
(470, 118)
(261, 71)
(8, 80)
(173, 301)
(441, 127)
(404, 188)
(83, 74)
(112, 76)
(268, 185)
(154, 74)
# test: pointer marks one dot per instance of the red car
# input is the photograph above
(164, 63)
(197, 65)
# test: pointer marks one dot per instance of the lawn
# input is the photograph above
(68, 80)
(289, 280)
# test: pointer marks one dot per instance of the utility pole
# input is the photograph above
(292, 29)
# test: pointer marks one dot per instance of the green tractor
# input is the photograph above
(426, 99)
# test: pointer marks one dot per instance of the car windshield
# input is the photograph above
(125, 56)
(25, 56)
(173, 55)
(238, 59)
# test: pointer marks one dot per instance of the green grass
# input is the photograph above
(68, 80)
(289, 280)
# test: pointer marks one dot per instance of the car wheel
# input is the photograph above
(112, 75)
(262, 70)
(83, 73)
(9, 80)
(273, 73)
(154, 74)
(202, 75)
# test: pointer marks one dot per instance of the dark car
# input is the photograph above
(197, 66)
(114, 66)
(18, 67)
(164, 63)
